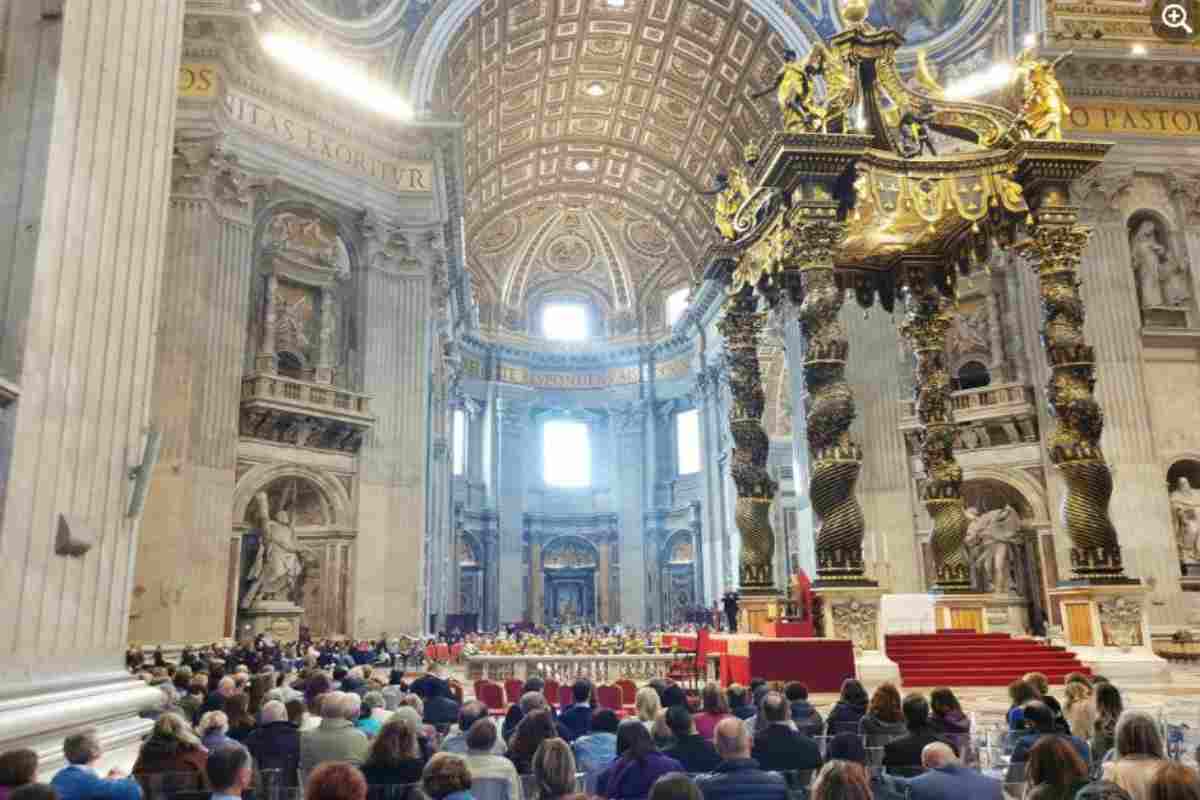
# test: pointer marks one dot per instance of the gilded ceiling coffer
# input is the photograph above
(902, 192)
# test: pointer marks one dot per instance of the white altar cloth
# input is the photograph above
(907, 613)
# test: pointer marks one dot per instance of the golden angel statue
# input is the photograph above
(732, 190)
(1043, 103)
(793, 87)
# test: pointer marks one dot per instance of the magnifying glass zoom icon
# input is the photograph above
(1175, 16)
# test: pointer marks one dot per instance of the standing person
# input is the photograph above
(730, 603)
(1140, 753)
(230, 772)
(79, 780)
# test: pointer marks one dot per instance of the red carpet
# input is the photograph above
(966, 658)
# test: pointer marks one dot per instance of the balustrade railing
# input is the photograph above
(265, 386)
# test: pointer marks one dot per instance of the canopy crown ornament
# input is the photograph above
(875, 187)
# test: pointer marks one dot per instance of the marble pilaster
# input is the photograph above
(630, 430)
(87, 106)
(513, 423)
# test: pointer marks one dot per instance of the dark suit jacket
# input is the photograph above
(696, 753)
(779, 748)
(903, 756)
(577, 720)
(428, 686)
(954, 783)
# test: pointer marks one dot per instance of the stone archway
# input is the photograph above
(677, 581)
(569, 571)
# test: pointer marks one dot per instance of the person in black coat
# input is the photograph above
(738, 776)
(577, 718)
(696, 753)
(395, 756)
(430, 685)
(737, 702)
(903, 756)
(275, 744)
(441, 710)
(849, 710)
(779, 747)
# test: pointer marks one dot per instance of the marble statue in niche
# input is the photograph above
(281, 561)
(1163, 281)
(1185, 511)
(990, 539)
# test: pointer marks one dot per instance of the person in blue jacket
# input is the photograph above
(79, 780)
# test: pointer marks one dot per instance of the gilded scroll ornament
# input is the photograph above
(927, 321)
(732, 192)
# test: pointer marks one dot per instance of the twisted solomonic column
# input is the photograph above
(1055, 248)
(740, 326)
(836, 459)
(927, 319)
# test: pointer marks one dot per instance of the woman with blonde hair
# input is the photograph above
(554, 769)
(1079, 711)
(648, 706)
(213, 728)
(1139, 754)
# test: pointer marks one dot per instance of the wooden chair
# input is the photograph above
(628, 692)
(566, 696)
(609, 696)
(442, 653)
(687, 670)
(550, 691)
(512, 690)
(491, 694)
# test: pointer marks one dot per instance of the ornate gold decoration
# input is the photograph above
(741, 326)
(1043, 103)
(927, 320)
(732, 192)
(1055, 248)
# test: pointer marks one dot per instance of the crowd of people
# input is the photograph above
(337, 728)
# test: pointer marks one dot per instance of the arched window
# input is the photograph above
(677, 304)
(565, 321)
(566, 454)
(973, 375)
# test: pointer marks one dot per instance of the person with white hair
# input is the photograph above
(275, 743)
(213, 730)
(947, 779)
(336, 738)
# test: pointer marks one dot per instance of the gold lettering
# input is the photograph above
(1102, 119)
(197, 80)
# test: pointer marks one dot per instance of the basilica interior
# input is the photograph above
(433, 297)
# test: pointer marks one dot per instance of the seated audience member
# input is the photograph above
(1104, 790)
(441, 709)
(946, 779)
(1042, 685)
(713, 708)
(430, 684)
(336, 780)
(276, 743)
(296, 712)
(175, 753)
(1109, 707)
(946, 715)
(598, 749)
(638, 764)
(1020, 693)
(482, 760)
(692, 750)
(424, 743)
(849, 710)
(17, 768)
(316, 688)
(849, 747)
(213, 729)
(1054, 769)
(79, 780)
(1080, 710)
(805, 716)
(536, 728)
(237, 710)
(191, 701)
(673, 695)
(336, 738)
(841, 780)
(369, 722)
(471, 712)
(675, 786)
(1139, 754)
(738, 776)
(884, 720)
(35, 791)
(660, 732)
(394, 756)
(648, 705)
(230, 772)
(531, 697)
(554, 770)
(779, 747)
(577, 718)
(1174, 781)
(446, 778)
(903, 756)
(1039, 723)
(738, 705)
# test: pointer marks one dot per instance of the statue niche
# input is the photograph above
(991, 538)
(1163, 280)
(280, 562)
(1183, 479)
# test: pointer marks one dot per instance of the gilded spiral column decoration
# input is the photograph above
(927, 319)
(741, 326)
(1055, 248)
(835, 459)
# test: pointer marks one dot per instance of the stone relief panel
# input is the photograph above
(566, 553)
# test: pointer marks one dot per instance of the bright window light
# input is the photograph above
(677, 303)
(687, 441)
(566, 454)
(336, 75)
(566, 322)
(459, 435)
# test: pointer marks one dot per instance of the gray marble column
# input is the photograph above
(513, 426)
(806, 521)
(199, 357)
(87, 114)
(630, 430)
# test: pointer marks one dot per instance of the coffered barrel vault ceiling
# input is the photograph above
(590, 132)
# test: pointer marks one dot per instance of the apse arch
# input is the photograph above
(335, 499)
(1018, 489)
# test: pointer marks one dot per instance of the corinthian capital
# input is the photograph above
(628, 418)
(204, 167)
(1098, 193)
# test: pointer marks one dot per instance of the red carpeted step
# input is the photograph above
(966, 658)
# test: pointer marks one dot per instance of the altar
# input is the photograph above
(597, 667)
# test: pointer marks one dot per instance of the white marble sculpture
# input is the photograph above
(1163, 281)
(1185, 510)
(279, 564)
(989, 542)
